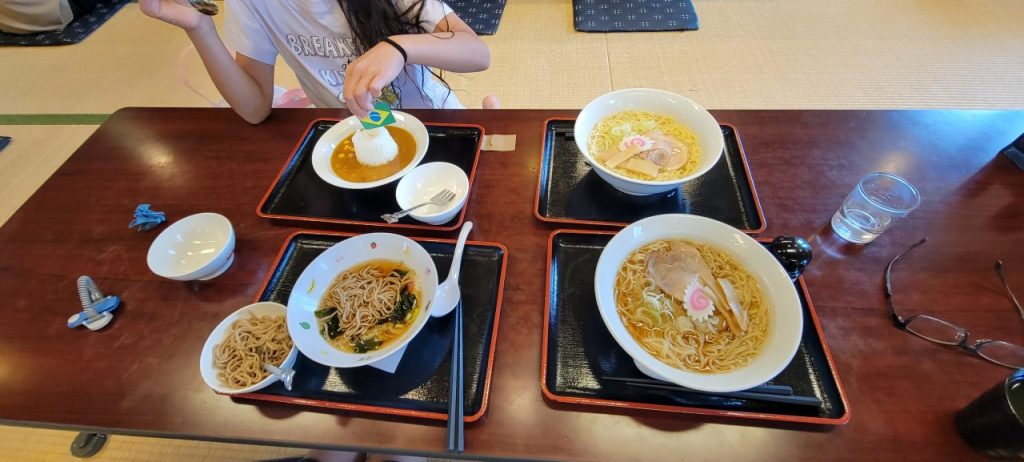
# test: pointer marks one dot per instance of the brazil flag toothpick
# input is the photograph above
(380, 116)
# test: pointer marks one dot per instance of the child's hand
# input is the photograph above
(175, 12)
(367, 75)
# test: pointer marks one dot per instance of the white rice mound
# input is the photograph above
(374, 147)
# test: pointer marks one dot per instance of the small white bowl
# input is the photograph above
(684, 110)
(786, 314)
(314, 280)
(199, 246)
(209, 372)
(324, 148)
(424, 182)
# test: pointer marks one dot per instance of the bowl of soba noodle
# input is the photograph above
(698, 303)
(362, 300)
(643, 141)
(233, 356)
(351, 157)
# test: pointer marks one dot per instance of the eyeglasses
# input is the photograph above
(936, 330)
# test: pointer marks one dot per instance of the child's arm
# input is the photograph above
(246, 84)
(453, 47)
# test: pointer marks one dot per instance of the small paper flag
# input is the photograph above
(380, 116)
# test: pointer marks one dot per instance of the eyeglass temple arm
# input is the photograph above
(888, 281)
(1013, 298)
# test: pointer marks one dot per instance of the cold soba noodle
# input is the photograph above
(368, 305)
(667, 297)
(249, 343)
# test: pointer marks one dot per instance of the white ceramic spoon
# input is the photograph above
(448, 293)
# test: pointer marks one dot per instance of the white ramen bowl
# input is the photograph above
(209, 372)
(424, 182)
(315, 279)
(199, 246)
(684, 110)
(324, 148)
(786, 314)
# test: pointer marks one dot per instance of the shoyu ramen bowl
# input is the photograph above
(317, 277)
(786, 315)
(685, 111)
(324, 148)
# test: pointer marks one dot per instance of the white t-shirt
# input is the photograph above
(31, 16)
(314, 38)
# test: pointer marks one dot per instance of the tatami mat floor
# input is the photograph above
(34, 445)
(776, 54)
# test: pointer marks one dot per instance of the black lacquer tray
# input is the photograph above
(579, 352)
(419, 387)
(299, 195)
(569, 191)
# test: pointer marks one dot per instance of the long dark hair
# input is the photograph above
(371, 21)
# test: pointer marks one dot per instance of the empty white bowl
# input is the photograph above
(684, 110)
(199, 246)
(209, 372)
(786, 314)
(324, 148)
(304, 300)
(424, 182)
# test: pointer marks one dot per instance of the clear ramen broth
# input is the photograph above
(347, 167)
(645, 146)
(663, 323)
(369, 305)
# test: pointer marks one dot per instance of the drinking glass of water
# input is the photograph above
(874, 205)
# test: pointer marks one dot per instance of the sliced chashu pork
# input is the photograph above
(666, 152)
(672, 269)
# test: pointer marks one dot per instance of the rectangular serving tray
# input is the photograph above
(419, 387)
(297, 194)
(578, 351)
(568, 191)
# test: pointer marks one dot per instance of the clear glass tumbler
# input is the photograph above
(874, 205)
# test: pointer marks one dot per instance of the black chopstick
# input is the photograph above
(456, 411)
(768, 389)
(795, 400)
(758, 396)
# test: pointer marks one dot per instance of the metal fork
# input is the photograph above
(440, 199)
(206, 7)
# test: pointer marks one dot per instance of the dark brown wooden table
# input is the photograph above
(140, 375)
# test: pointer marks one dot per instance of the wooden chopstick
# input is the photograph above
(768, 389)
(456, 411)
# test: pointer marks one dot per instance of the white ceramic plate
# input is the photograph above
(315, 279)
(206, 368)
(785, 327)
(324, 147)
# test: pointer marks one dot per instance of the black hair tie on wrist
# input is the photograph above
(405, 56)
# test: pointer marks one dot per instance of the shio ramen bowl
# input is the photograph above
(325, 146)
(785, 312)
(209, 371)
(685, 111)
(317, 277)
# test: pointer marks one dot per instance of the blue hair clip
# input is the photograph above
(146, 219)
